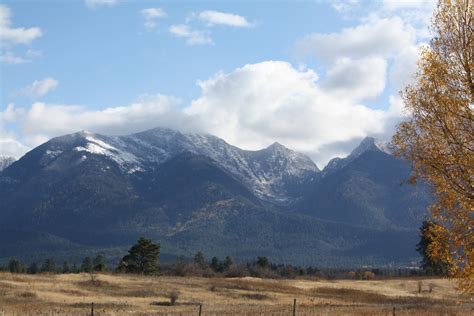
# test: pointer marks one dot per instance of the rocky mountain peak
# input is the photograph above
(370, 144)
(367, 144)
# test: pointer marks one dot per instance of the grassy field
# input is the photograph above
(73, 294)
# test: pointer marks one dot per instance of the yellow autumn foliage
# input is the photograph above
(438, 138)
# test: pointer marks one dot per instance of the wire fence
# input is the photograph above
(305, 310)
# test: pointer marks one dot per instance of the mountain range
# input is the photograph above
(85, 192)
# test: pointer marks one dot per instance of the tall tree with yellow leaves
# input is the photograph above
(438, 138)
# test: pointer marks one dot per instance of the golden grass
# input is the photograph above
(72, 294)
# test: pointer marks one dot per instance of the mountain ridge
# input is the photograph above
(196, 192)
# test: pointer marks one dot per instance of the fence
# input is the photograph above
(308, 310)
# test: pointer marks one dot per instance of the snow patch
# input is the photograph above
(53, 153)
(97, 146)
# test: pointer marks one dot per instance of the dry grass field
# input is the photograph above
(72, 294)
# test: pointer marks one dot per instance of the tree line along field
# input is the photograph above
(131, 294)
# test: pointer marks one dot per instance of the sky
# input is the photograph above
(316, 76)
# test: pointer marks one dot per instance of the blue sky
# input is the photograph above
(316, 76)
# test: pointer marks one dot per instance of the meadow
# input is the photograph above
(122, 294)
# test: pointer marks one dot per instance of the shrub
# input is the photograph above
(368, 275)
(173, 296)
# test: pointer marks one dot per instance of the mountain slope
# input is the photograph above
(196, 192)
(368, 188)
(269, 173)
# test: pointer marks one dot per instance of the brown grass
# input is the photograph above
(73, 294)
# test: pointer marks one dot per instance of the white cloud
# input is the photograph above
(360, 62)
(404, 67)
(10, 36)
(9, 144)
(343, 5)
(193, 37)
(222, 18)
(42, 121)
(357, 79)
(379, 37)
(40, 87)
(150, 15)
(258, 104)
(250, 107)
(10, 58)
(97, 3)
(407, 4)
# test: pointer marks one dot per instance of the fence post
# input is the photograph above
(92, 309)
(294, 307)
(393, 311)
(200, 309)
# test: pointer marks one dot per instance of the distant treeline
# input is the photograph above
(143, 257)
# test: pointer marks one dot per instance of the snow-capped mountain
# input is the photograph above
(6, 161)
(265, 171)
(196, 192)
(269, 173)
(367, 144)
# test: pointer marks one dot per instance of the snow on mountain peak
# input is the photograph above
(370, 143)
(262, 170)
(95, 145)
(267, 172)
(367, 144)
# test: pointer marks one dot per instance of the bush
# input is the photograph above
(368, 275)
(173, 296)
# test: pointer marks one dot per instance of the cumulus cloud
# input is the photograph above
(377, 55)
(10, 36)
(380, 37)
(251, 107)
(257, 104)
(212, 18)
(44, 120)
(193, 37)
(10, 146)
(40, 87)
(9, 143)
(404, 67)
(97, 3)
(150, 15)
(357, 79)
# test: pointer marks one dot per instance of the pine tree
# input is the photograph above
(227, 263)
(429, 264)
(66, 268)
(87, 265)
(200, 260)
(15, 266)
(48, 265)
(142, 257)
(263, 262)
(33, 268)
(99, 263)
(216, 264)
